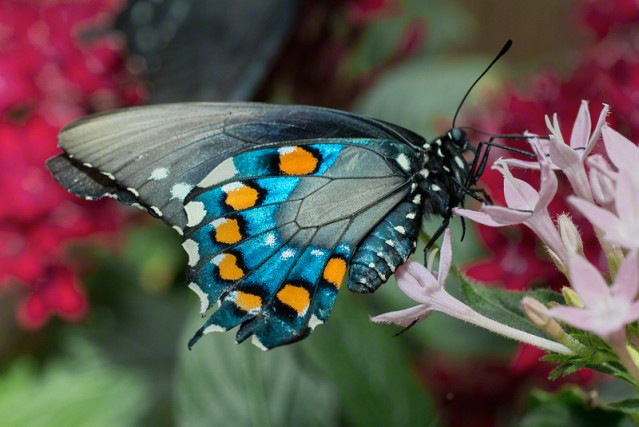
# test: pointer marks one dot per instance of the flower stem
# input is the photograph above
(461, 311)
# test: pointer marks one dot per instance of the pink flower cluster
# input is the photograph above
(613, 213)
(52, 70)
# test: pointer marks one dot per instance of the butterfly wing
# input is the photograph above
(153, 156)
(270, 226)
(272, 230)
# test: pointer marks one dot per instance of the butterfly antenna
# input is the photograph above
(501, 53)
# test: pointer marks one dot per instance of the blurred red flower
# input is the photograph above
(52, 70)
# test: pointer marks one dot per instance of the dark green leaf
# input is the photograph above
(630, 406)
(505, 306)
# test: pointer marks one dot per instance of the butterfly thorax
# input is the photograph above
(445, 173)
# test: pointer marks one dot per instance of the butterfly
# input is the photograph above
(274, 202)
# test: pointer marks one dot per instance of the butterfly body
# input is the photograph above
(274, 202)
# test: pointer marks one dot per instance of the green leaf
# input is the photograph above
(369, 367)
(569, 407)
(220, 383)
(81, 390)
(629, 406)
(504, 306)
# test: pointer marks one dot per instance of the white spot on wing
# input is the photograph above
(314, 321)
(213, 328)
(180, 190)
(204, 298)
(459, 162)
(390, 243)
(380, 254)
(435, 187)
(286, 150)
(218, 259)
(270, 240)
(218, 222)
(403, 161)
(179, 230)
(192, 250)
(288, 254)
(410, 215)
(89, 165)
(159, 174)
(371, 265)
(195, 213)
(317, 252)
(222, 172)
(133, 191)
(232, 186)
(156, 210)
(400, 229)
(424, 173)
(108, 175)
(417, 199)
(256, 342)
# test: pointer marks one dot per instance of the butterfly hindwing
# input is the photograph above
(270, 237)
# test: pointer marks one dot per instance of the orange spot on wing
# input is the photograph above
(247, 302)
(228, 232)
(297, 161)
(242, 197)
(295, 297)
(229, 269)
(334, 271)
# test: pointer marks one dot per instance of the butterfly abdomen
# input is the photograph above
(387, 246)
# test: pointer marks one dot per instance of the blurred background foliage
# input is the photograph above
(95, 312)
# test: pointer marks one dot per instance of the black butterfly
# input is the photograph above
(274, 202)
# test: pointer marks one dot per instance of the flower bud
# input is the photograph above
(570, 235)
(571, 297)
(535, 311)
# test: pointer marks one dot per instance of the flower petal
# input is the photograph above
(494, 216)
(581, 129)
(416, 282)
(584, 319)
(562, 155)
(518, 194)
(521, 163)
(627, 199)
(547, 187)
(445, 259)
(599, 217)
(587, 281)
(626, 281)
(597, 132)
(405, 318)
(621, 151)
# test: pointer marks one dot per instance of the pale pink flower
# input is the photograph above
(621, 228)
(569, 158)
(525, 206)
(608, 309)
(422, 286)
(623, 153)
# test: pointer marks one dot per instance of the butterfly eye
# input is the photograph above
(457, 135)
